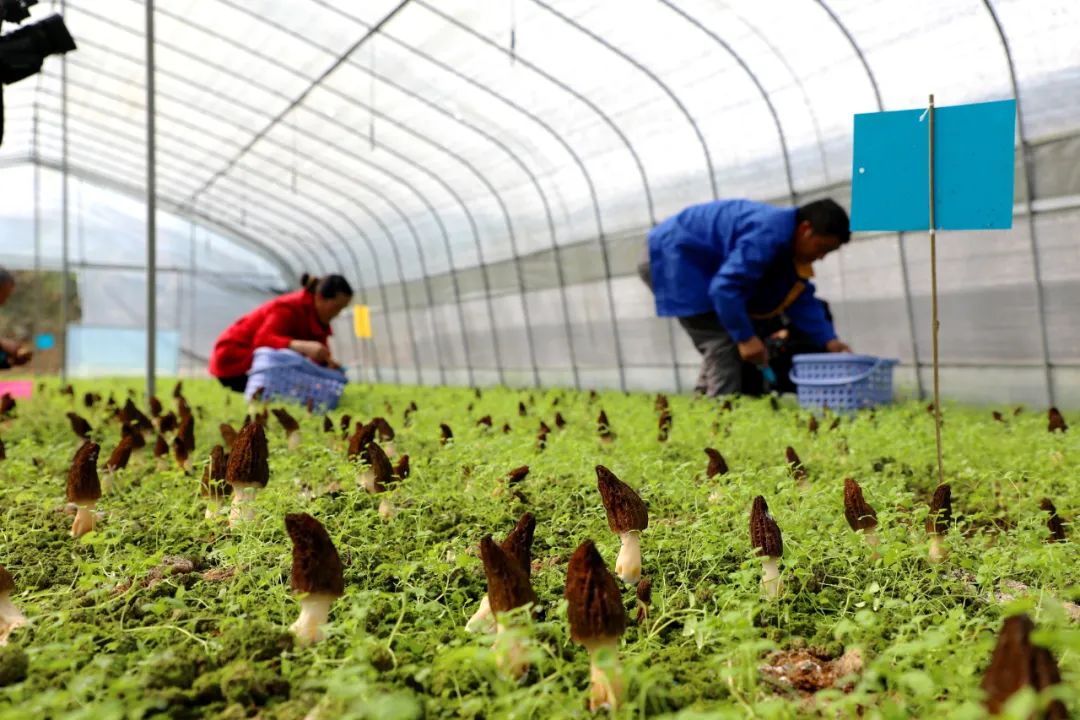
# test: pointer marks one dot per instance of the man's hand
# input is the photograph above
(22, 356)
(753, 351)
(315, 351)
(836, 345)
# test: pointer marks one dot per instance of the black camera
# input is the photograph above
(24, 50)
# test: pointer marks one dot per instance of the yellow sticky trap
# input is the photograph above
(362, 321)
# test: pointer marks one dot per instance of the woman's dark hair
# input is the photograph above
(327, 287)
(827, 218)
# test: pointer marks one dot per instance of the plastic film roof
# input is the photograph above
(397, 141)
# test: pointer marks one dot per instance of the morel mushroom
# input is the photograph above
(386, 436)
(316, 573)
(364, 436)
(79, 426)
(130, 431)
(377, 472)
(938, 521)
(7, 404)
(517, 545)
(10, 616)
(997, 416)
(84, 488)
(1057, 528)
(1056, 421)
(187, 433)
(3, 450)
(155, 407)
(717, 464)
(118, 460)
(446, 434)
(795, 465)
(661, 403)
(627, 516)
(607, 435)
(327, 424)
(181, 455)
(644, 600)
(597, 619)
(484, 422)
(168, 422)
(521, 409)
(290, 426)
(161, 452)
(664, 425)
(213, 486)
(517, 475)
(766, 539)
(508, 589)
(1015, 664)
(812, 425)
(506, 428)
(228, 434)
(860, 515)
(247, 471)
(402, 467)
(560, 421)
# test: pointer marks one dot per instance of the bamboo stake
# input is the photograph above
(934, 297)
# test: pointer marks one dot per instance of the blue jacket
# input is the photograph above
(734, 257)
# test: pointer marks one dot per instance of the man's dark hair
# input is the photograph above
(328, 286)
(827, 218)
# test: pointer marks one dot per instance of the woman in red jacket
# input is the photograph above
(298, 321)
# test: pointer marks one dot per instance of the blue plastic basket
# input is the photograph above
(843, 381)
(288, 375)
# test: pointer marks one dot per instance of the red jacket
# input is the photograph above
(273, 324)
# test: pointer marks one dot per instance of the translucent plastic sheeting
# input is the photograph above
(489, 198)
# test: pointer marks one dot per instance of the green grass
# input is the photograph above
(104, 642)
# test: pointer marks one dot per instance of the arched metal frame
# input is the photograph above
(187, 207)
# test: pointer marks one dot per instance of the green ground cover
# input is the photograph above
(162, 612)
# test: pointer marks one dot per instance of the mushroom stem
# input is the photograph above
(510, 652)
(242, 504)
(628, 563)
(367, 480)
(938, 551)
(107, 481)
(84, 520)
(481, 621)
(873, 541)
(770, 577)
(294, 440)
(314, 612)
(387, 511)
(10, 618)
(606, 675)
(389, 448)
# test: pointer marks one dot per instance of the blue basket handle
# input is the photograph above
(828, 382)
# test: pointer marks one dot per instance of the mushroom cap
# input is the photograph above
(517, 475)
(180, 451)
(187, 432)
(7, 403)
(661, 402)
(213, 483)
(316, 565)
(717, 464)
(168, 422)
(131, 431)
(130, 413)
(521, 408)
(764, 532)
(625, 509)
(859, 514)
(161, 447)
(1054, 523)
(249, 459)
(1016, 663)
(812, 424)
(178, 389)
(792, 456)
(447, 433)
(82, 481)
(1056, 420)
(288, 422)
(602, 421)
(380, 465)
(345, 422)
(664, 422)
(7, 583)
(155, 406)
(544, 429)
(644, 591)
(79, 424)
(940, 517)
(364, 435)
(385, 430)
(402, 468)
(3, 450)
(485, 421)
(327, 424)
(518, 544)
(593, 600)
(508, 585)
(560, 421)
(120, 455)
(506, 428)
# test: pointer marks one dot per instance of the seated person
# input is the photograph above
(12, 353)
(298, 321)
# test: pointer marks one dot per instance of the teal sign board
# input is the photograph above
(973, 168)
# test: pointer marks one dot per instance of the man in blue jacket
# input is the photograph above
(725, 268)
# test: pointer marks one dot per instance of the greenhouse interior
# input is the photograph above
(424, 229)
